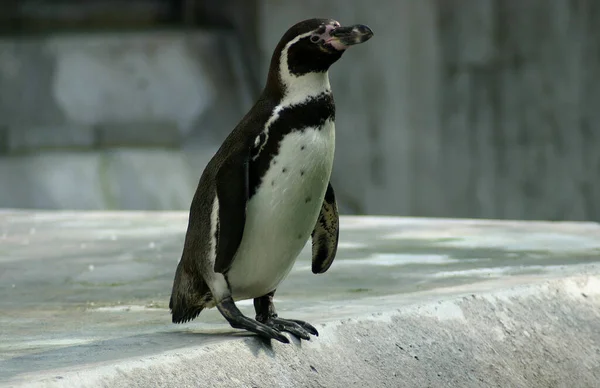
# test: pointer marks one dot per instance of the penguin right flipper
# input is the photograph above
(325, 234)
(232, 193)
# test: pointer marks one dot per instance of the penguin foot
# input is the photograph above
(265, 313)
(296, 327)
(237, 320)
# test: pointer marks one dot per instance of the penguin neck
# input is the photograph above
(298, 89)
(289, 88)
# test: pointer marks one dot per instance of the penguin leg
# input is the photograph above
(265, 313)
(237, 320)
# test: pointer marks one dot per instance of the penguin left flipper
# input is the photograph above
(232, 193)
(325, 234)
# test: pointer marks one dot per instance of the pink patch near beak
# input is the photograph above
(336, 44)
(327, 38)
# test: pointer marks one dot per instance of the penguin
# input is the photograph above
(267, 190)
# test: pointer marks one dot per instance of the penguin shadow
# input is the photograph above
(102, 350)
(132, 346)
(256, 344)
(259, 345)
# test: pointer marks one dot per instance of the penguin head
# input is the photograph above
(313, 45)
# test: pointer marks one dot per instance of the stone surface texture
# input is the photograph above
(408, 302)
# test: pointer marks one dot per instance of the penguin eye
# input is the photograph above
(315, 39)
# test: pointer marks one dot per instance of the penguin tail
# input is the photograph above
(189, 297)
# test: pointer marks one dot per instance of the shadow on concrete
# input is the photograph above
(125, 347)
(265, 345)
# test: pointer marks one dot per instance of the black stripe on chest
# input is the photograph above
(311, 113)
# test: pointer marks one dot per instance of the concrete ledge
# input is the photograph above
(408, 303)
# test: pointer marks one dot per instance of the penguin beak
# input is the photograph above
(343, 37)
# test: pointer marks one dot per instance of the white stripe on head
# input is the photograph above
(299, 88)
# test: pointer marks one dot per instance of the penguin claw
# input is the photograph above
(261, 329)
(298, 328)
(306, 326)
(279, 337)
(267, 332)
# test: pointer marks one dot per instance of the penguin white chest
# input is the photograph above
(282, 213)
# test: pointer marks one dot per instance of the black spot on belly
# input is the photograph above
(273, 183)
(284, 170)
(302, 147)
(274, 162)
(307, 200)
(302, 173)
(299, 237)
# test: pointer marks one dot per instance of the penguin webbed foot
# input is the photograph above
(296, 327)
(237, 320)
(266, 313)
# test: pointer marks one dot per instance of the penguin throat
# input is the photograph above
(298, 89)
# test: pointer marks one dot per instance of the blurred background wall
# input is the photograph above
(456, 108)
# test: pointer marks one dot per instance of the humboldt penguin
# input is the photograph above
(266, 191)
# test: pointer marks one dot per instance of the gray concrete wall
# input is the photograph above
(464, 108)
(380, 111)
(114, 120)
(520, 108)
(459, 108)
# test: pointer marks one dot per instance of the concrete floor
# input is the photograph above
(408, 302)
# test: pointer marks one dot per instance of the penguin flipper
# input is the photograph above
(325, 234)
(232, 192)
